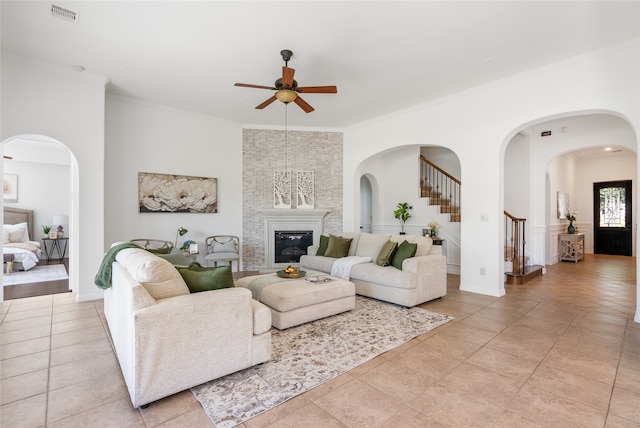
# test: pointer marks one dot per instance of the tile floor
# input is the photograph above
(559, 351)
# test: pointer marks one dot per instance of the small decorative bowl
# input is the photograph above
(284, 274)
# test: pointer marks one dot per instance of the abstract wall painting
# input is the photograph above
(305, 189)
(10, 188)
(166, 193)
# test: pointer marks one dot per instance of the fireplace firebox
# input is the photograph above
(290, 245)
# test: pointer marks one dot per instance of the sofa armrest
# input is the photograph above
(312, 250)
(261, 317)
(431, 275)
(436, 250)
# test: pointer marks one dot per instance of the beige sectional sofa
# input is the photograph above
(422, 277)
(168, 339)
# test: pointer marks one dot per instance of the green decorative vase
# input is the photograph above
(571, 229)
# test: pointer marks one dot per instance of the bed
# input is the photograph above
(18, 237)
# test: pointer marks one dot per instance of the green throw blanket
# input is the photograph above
(103, 277)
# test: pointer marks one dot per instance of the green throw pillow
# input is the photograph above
(324, 242)
(176, 259)
(165, 250)
(338, 247)
(404, 251)
(199, 278)
(386, 253)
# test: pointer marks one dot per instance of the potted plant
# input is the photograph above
(571, 217)
(46, 230)
(402, 213)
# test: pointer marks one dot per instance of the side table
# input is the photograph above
(571, 247)
(53, 247)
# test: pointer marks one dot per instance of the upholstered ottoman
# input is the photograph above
(296, 301)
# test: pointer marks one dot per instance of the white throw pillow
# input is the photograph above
(17, 232)
(5, 235)
(159, 277)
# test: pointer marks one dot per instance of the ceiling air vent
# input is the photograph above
(67, 15)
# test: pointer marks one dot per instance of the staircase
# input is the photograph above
(517, 270)
(441, 188)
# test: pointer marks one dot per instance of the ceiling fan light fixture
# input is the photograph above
(286, 95)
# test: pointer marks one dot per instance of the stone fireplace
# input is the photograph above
(288, 220)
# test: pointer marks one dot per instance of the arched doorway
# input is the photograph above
(45, 169)
(366, 205)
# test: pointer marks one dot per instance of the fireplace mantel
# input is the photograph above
(289, 219)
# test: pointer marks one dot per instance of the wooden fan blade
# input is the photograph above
(7, 157)
(266, 103)
(246, 85)
(303, 105)
(287, 76)
(318, 89)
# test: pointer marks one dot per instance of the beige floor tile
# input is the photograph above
(572, 386)
(485, 323)
(118, 413)
(25, 334)
(25, 347)
(614, 421)
(194, 418)
(26, 413)
(517, 368)
(73, 307)
(24, 364)
(20, 315)
(268, 418)
(510, 419)
(40, 302)
(407, 417)
(552, 410)
(482, 384)
(329, 386)
(447, 406)
(428, 362)
(356, 404)
(369, 365)
(308, 416)
(628, 376)
(75, 324)
(600, 370)
(168, 408)
(625, 404)
(80, 351)
(84, 396)
(25, 323)
(450, 346)
(99, 367)
(74, 315)
(398, 380)
(77, 336)
(532, 347)
(469, 333)
(23, 386)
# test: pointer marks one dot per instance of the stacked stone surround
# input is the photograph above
(263, 152)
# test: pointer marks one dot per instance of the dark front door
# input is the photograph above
(612, 217)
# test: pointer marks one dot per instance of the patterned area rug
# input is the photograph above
(308, 355)
(41, 273)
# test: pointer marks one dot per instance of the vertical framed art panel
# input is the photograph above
(305, 190)
(10, 188)
(282, 189)
(166, 193)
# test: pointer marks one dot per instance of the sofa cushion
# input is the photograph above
(369, 245)
(338, 247)
(404, 251)
(355, 237)
(319, 263)
(386, 276)
(176, 259)
(199, 278)
(322, 248)
(159, 277)
(386, 253)
(424, 243)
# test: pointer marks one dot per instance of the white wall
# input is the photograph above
(144, 137)
(43, 188)
(67, 106)
(478, 124)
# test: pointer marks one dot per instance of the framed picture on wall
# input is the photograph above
(563, 205)
(10, 188)
(167, 193)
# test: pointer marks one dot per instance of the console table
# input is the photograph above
(59, 245)
(571, 247)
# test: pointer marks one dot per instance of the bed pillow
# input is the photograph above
(5, 235)
(404, 251)
(200, 278)
(17, 232)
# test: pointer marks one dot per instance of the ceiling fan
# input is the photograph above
(7, 157)
(287, 88)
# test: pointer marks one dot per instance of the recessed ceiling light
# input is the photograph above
(78, 68)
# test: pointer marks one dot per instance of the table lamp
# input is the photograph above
(60, 220)
(181, 232)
